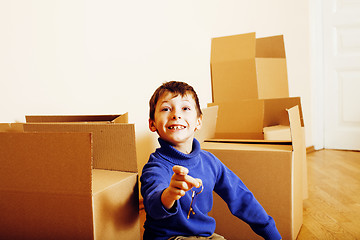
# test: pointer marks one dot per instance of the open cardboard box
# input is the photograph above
(246, 120)
(245, 67)
(53, 186)
(272, 170)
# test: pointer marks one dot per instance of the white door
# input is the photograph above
(341, 29)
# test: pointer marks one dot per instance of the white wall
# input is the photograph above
(106, 57)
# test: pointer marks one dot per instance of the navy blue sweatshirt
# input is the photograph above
(162, 223)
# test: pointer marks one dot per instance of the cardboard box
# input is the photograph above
(113, 150)
(243, 67)
(51, 189)
(271, 170)
(245, 121)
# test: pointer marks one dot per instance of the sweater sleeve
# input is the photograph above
(243, 204)
(153, 183)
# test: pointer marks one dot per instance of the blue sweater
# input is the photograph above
(162, 223)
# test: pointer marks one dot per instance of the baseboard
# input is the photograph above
(310, 149)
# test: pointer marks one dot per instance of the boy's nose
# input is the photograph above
(175, 117)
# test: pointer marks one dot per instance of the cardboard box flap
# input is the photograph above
(272, 78)
(104, 179)
(240, 117)
(295, 125)
(78, 118)
(246, 46)
(113, 144)
(234, 79)
(296, 135)
(244, 67)
(208, 127)
(270, 47)
(274, 111)
(231, 48)
(46, 162)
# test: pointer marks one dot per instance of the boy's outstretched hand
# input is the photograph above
(180, 183)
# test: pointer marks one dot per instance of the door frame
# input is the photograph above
(317, 73)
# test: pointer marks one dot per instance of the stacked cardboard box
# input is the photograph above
(69, 177)
(250, 94)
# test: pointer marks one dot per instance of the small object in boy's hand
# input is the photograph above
(194, 194)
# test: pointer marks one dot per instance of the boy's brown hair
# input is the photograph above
(176, 88)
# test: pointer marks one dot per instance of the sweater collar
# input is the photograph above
(175, 156)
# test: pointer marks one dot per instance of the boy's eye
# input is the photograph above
(186, 108)
(165, 109)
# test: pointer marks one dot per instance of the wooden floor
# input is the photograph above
(332, 210)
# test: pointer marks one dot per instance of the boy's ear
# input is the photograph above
(152, 125)
(198, 123)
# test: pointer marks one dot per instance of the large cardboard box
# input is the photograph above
(249, 120)
(246, 67)
(272, 170)
(51, 188)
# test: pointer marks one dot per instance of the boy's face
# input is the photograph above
(176, 120)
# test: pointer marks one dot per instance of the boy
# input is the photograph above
(179, 178)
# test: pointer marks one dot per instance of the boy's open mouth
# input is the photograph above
(176, 127)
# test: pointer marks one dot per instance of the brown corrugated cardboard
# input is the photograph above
(246, 119)
(208, 124)
(39, 198)
(58, 194)
(243, 67)
(273, 172)
(116, 205)
(11, 127)
(113, 142)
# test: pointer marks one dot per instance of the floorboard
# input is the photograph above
(332, 210)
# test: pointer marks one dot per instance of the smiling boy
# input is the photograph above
(179, 166)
